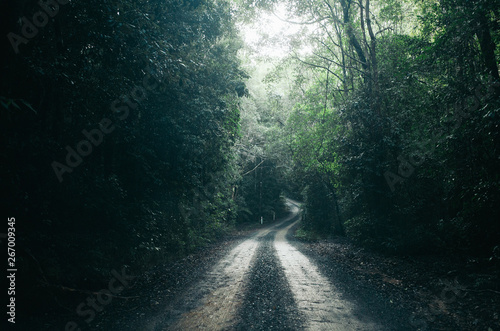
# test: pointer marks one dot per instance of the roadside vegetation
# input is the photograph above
(137, 132)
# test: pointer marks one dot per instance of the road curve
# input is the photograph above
(263, 283)
(317, 299)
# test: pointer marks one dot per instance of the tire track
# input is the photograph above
(264, 283)
(316, 298)
(214, 302)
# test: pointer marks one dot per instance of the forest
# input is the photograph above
(138, 132)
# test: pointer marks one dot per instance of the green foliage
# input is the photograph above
(161, 184)
(422, 91)
(260, 152)
(305, 235)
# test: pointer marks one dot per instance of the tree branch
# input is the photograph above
(246, 173)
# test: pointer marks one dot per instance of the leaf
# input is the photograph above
(27, 104)
(16, 105)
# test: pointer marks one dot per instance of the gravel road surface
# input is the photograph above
(264, 282)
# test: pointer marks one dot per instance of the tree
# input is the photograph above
(120, 119)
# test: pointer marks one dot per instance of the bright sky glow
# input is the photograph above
(270, 35)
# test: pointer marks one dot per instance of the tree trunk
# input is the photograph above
(487, 46)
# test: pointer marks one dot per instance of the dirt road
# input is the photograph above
(266, 283)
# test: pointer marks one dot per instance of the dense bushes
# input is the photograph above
(161, 81)
(396, 129)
